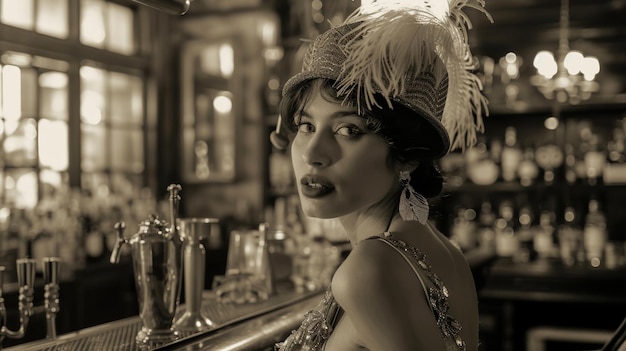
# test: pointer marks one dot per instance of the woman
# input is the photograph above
(365, 125)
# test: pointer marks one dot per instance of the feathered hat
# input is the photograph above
(415, 53)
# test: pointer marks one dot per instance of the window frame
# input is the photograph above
(72, 51)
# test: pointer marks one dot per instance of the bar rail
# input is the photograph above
(249, 326)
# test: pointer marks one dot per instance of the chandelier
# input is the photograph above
(569, 77)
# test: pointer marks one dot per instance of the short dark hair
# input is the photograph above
(409, 138)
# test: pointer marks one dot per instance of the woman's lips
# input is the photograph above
(315, 186)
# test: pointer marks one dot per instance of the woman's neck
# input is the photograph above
(373, 220)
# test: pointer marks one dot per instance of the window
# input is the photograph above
(34, 126)
(38, 86)
(73, 120)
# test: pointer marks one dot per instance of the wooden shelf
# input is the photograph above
(515, 187)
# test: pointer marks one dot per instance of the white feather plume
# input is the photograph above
(391, 41)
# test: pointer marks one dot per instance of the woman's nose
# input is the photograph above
(319, 150)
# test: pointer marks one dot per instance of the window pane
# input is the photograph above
(52, 182)
(127, 150)
(21, 187)
(94, 181)
(92, 23)
(126, 99)
(93, 140)
(29, 92)
(20, 143)
(53, 93)
(53, 145)
(120, 29)
(129, 185)
(11, 92)
(216, 60)
(2, 192)
(17, 13)
(93, 95)
(52, 18)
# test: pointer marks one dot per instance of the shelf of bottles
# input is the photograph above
(529, 192)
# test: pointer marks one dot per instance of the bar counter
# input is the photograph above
(252, 326)
(517, 301)
(514, 298)
(550, 280)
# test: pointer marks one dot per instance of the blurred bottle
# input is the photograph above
(543, 242)
(595, 160)
(495, 151)
(10, 240)
(570, 236)
(506, 241)
(463, 231)
(570, 161)
(615, 169)
(42, 241)
(528, 169)
(595, 235)
(616, 146)
(280, 171)
(525, 235)
(511, 155)
(549, 157)
(480, 167)
(485, 233)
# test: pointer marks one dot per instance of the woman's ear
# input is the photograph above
(408, 166)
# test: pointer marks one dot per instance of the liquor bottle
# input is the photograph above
(463, 231)
(511, 155)
(571, 176)
(549, 157)
(506, 241)
(485, 233)
(595, 160)
(616, 146)
(570, 236)
(528, 169)
(595, 235)
(615, 169)
(543, 242)
(480, 167)
(525, 235)
(280, 174)
(495, 150)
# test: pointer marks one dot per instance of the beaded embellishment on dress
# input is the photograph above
(318, 324)
(437, 294)
(315, 329)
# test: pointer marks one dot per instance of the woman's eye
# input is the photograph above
(304, 127)
(351, 130)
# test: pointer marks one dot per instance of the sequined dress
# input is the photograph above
(318, 323)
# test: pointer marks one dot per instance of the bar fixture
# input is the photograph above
(156, 251)
(192, 232)
(26, 282)
(570, 77)
(171, 7)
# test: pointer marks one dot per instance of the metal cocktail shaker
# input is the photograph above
(193, 231)
(157, 261)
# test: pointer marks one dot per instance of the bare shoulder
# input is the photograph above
(375, 276)
(364, 274)
(378, 290)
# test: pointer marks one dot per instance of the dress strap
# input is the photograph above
(412, 265)
(434, 289)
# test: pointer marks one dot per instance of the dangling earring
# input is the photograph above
(413, 205)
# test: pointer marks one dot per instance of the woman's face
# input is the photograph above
(340, 166)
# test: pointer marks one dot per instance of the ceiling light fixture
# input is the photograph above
(570, 77)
